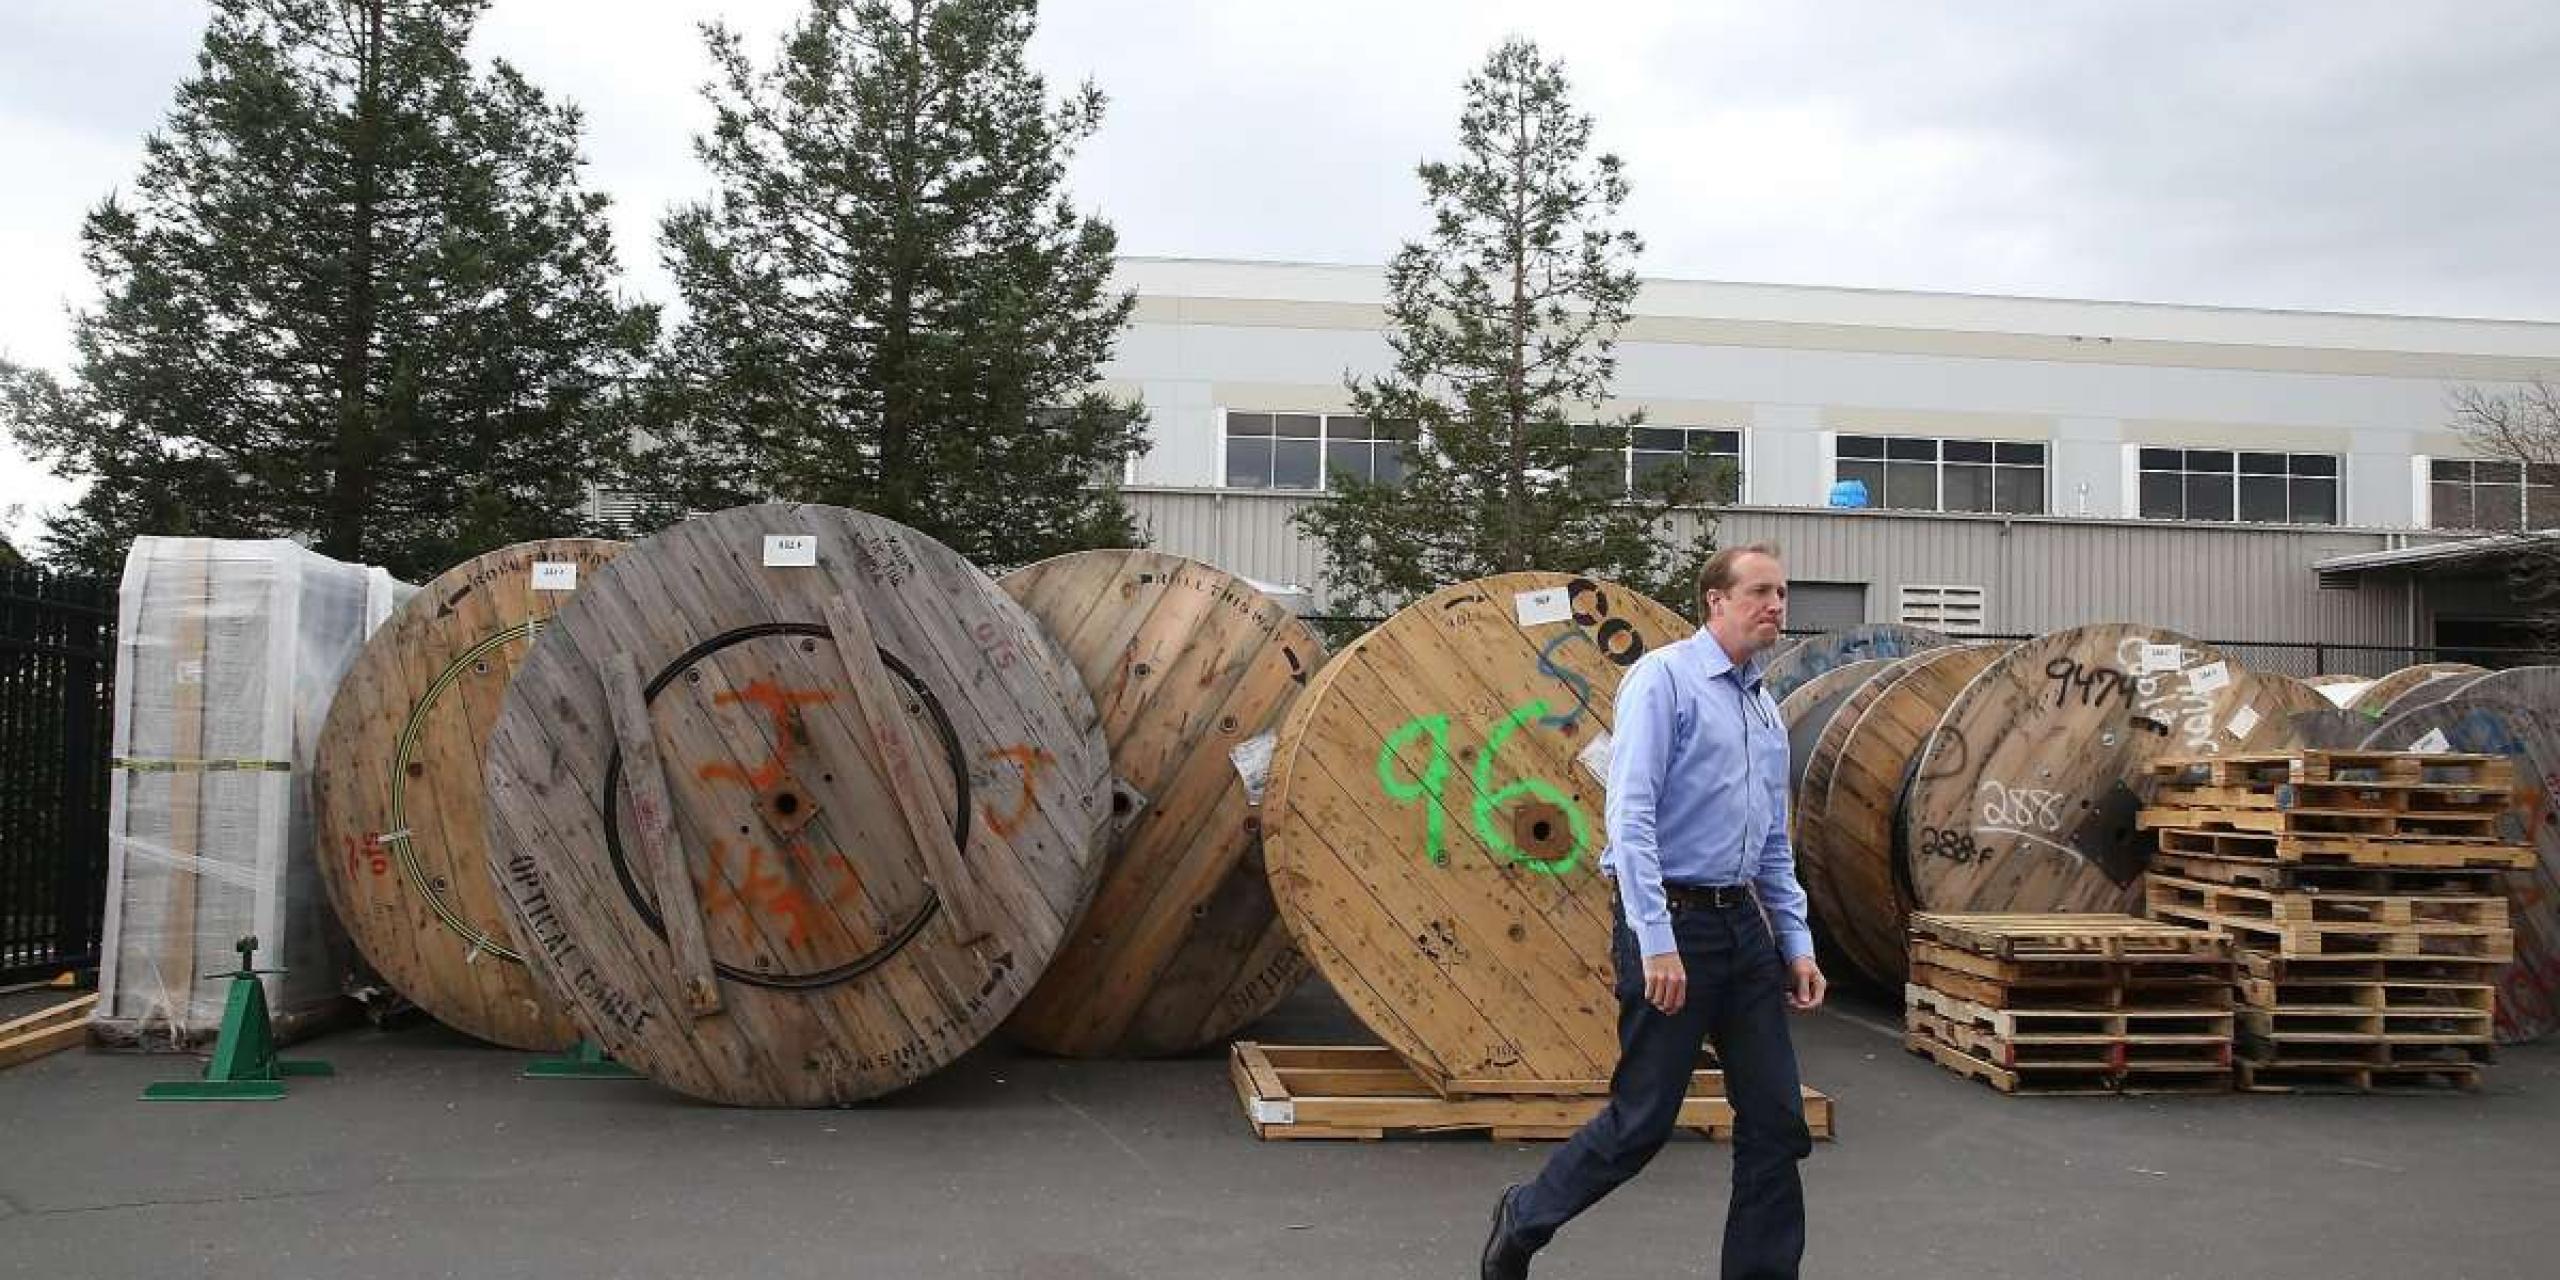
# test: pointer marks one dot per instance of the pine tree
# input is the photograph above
(892, 304)
(356, 297)
(1502, 323)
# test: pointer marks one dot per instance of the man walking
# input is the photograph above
(1710, 941)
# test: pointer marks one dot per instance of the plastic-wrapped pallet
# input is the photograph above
(227, 653)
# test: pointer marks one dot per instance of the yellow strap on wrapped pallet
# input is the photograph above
(136, 764)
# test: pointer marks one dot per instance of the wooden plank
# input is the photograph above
(2331, 849)
(661, 850)
(891, 735)
(75, 1009)
(2390, 910)
(2068, 935)
(2470, 941)
(2301, 877)
(48, 1032)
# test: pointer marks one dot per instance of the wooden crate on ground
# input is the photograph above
(1367, 1092)
(2084, 1003)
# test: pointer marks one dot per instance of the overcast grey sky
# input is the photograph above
(2320, 154)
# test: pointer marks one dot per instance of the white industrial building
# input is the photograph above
(2029, 463)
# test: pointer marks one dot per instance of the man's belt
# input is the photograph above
(1706, 897)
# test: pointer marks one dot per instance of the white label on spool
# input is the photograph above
(555, 575)
(2209, 679)
(790, 551)
(1268, 1111)
(1594, 758)
(1252, 759)
(2435, 743)
(2157, 658)
(1538, 608)
(2242, 721)
(191, 672)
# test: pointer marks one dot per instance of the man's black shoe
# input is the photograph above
(1504, 1259)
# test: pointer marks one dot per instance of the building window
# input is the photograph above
(1616, 461)
(2225, 485)
(1910, 473)
(2475, 493)
(1309, 450)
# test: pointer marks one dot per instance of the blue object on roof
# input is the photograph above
(1849, 493)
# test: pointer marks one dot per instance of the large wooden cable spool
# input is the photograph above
(1192, 670)
(2300, 715)
(1862, 868)
(1808, 713)
(1808, 710)
(2525, 686)
(794, 805)
(1808, 814)
(2427, 692)
(1434, 842)
(2376, 698)
(1814, 655)
(2024, 800)
(399, 791)
(2528, 998)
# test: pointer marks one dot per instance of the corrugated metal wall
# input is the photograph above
(2044, 575)
(1241, 532)
(2037, 575)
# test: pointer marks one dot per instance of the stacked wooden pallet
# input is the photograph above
(1367, 1092)
(2071, 1003)
(2364, 892)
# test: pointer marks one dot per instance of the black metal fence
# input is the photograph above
(57, 662)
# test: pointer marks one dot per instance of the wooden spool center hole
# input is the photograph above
(787, 809)
(1542, 830)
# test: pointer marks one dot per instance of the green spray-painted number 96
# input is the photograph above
(1430, 787)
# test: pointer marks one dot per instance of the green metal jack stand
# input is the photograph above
(245, 1066)
(585, 1061)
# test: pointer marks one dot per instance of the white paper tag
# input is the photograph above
(191, 672)
(2435, 743)
(1267, 1111)
(555, 575)
(1594, 756)
(1538, 608)
(790, 551)
(1252, 759)
(2209, 679)
(2157, 658)
(2243, 722)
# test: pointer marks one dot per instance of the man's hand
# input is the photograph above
(1666, 982)
(1805, 986)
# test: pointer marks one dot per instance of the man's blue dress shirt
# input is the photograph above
(1698, 791)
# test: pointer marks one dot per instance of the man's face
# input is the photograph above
(1749, 617)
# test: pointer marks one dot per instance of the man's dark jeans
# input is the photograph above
(1737, 998)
